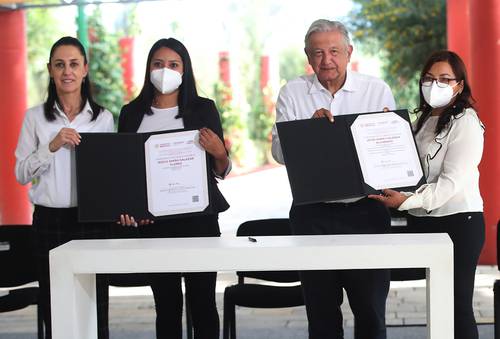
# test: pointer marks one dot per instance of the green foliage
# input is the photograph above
(260, 118)
(230, 120)
(131, 26)
(41, 31)
(105, 66)
(402, 33)
(292, 63)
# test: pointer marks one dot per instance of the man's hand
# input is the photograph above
(389, 198)
(128, 220)
(323, 113)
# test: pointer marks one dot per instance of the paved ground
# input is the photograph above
(261, 195)
(132, 313)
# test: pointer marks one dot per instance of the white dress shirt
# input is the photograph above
(450, 161)
(163, 119)
(301, 97)
(53, 174)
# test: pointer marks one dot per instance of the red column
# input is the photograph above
(459, 29)
(127, 52)
(14, 205)
(485, 61)
(354, 66)
(264, 71)
(224, 71)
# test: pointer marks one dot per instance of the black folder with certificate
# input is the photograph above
(356, 155)
(146, 175)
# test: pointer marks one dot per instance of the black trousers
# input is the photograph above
(54, 227)
(167, 287)
(466, 230)
(366, 289)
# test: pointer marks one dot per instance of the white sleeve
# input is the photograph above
(387, 98)
(465, 149)
(284, 112)
(110, 123)
(32, 159)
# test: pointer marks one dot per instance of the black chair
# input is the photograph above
(18, 265)
(496, 291)
(257, 295)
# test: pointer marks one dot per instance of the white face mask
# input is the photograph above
(437, 96)
(165, 80)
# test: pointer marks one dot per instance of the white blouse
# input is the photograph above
(162, 119)
(53, 174)
(450, 161)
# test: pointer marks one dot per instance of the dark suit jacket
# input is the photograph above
(204, 114)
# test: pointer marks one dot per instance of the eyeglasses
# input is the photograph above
(442, 82)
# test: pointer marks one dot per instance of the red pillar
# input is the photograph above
(485, 61)
(224, 71)
(14, 205)
(127, 52)
(459, 29)
(264, 71)
(354, 66)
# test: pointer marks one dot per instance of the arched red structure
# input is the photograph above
(458, 28)
(474, 33)
(485, 61)
(14, 205)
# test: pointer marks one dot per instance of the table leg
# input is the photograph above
(440, 300)
(73, 302)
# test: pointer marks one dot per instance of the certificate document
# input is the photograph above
(386, 150)
(176, 173)
(355, 156)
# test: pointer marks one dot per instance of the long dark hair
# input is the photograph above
(187, 90)
(462, 101)
(85, 92)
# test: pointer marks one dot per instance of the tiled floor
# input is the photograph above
(132, 310)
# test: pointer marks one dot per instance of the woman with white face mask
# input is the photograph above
(168, 101)
(449, 137)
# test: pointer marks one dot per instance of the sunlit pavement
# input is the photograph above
(265, 194)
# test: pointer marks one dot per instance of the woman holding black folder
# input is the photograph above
(168, 101)
(45, 158)
(449, 136)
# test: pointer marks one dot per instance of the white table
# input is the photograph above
(73, 267)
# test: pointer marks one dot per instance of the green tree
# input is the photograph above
(402, 33)
(293, 63)
(105, 65)
(42, 31)
(230, 119)
(260, 115)
(260, 123)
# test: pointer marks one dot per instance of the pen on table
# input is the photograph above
(252, 239)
